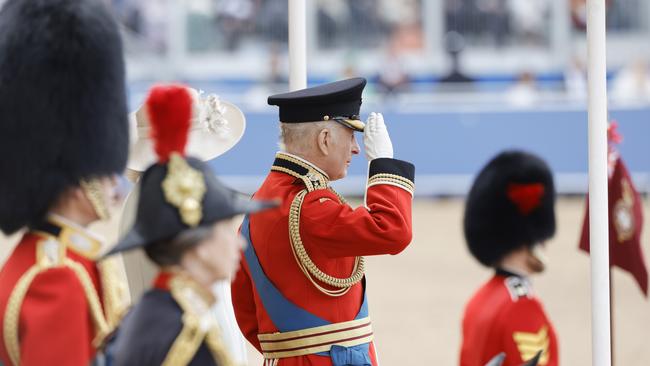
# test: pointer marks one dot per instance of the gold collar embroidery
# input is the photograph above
(70, 235)
(313, 177)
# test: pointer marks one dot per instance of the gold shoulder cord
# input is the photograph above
(314, 179)
(12, 312)
(93, 301)
(305, 263)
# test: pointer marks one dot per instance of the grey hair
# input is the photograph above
(299, 137)
(170, 251)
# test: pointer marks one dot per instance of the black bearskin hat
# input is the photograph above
(63, 111)
(510, 205)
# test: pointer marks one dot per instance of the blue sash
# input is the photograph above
(287, 316)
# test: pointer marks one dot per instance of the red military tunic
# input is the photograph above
(333, 234)
(505, 316)
(47, 286)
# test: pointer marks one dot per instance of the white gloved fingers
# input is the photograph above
(379, 124)
(370, 123)
(376, 138)
(380, 119)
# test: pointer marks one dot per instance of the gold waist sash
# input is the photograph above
(315, 340)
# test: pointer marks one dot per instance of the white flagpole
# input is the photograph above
(598, 208)
(297, 45)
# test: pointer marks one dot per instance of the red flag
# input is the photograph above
(625, 224)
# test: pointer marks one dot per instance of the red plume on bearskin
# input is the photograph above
(527, 197)
(170, 113)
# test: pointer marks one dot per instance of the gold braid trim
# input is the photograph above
(115, 289)
(194, 301)
(12, 313)
(93, 301)
(314, 179)
(302, 163)
(308, 184)
(186, 344)
(405, 181)
(392, 179)
(305, 263)
(218, 349)
(189, 341)
(392, 183)
(341, 198)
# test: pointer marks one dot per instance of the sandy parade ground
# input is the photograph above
(417, 297)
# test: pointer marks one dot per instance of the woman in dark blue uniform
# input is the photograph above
(185, 224)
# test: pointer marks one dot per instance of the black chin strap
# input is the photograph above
(505, 273)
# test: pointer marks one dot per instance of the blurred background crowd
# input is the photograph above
(526, 49)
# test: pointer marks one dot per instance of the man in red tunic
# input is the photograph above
(299, 296)
(508, 215)
(63, 139)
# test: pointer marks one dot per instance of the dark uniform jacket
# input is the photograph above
(164, 328)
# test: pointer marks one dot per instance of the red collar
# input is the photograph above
(161, 282)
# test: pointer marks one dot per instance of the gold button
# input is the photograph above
(326, 118)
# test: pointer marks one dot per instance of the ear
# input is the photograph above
(324, 141)
(76, 193)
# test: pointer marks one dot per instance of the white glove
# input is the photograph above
(376, 139)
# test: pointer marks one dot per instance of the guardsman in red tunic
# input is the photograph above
(508, 215)
(300, 295)
(63, 140)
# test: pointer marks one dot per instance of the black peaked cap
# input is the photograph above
(332, 100)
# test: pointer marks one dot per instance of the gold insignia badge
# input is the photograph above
(184, 188)
(529, 344)
(623, 216)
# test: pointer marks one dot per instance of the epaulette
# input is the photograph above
(518, 287)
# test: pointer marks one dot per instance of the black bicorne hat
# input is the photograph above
(178, 193)
(339, 101)
(63, 110)
(510, 205)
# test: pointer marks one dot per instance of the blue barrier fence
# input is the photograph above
(450, 144)
(449, 147)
